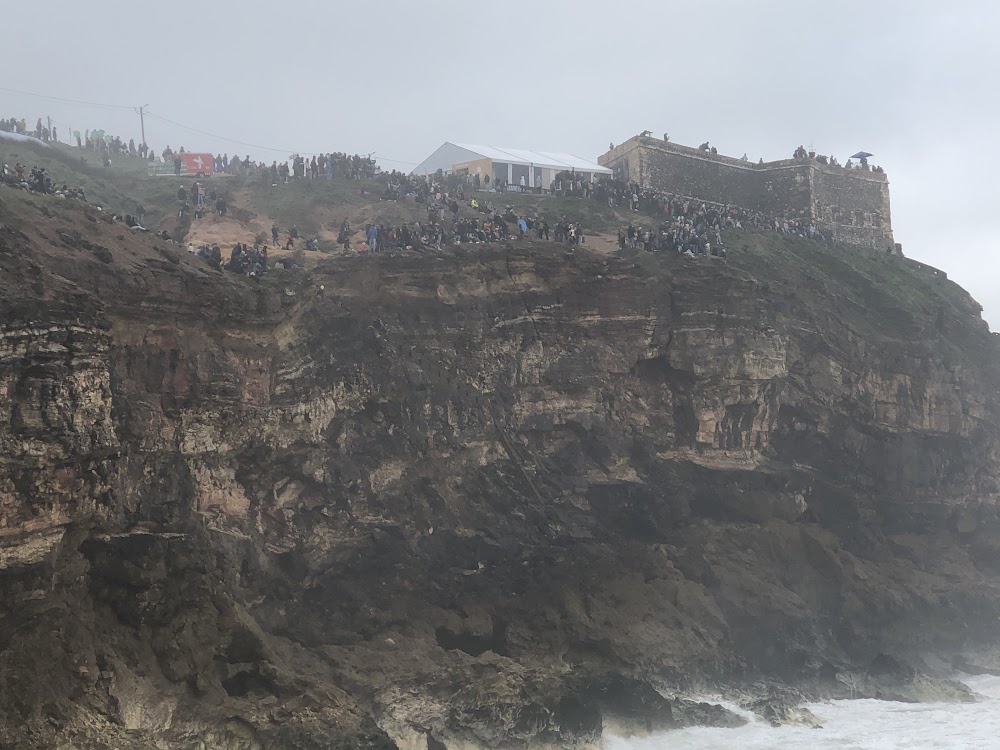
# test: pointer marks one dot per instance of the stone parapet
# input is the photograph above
(850, 204)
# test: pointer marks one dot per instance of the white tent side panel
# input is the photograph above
(572, 162)
(445, 158)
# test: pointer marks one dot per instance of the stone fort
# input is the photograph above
(851, 205)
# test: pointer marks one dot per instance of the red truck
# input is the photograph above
(197, 165)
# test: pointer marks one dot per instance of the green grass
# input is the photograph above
(78, 168)
(873, 294)
(312, 205)
(875, 281)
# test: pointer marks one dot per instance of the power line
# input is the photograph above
(254, 145)
(221, 137)
(63, 99)
(395, 161)
(179, 124)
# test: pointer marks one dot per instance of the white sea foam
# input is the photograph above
(855, 725)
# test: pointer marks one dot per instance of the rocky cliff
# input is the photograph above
(497, 497)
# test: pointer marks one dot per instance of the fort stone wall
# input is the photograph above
(851, 205)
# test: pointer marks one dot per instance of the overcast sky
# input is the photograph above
(913, 81)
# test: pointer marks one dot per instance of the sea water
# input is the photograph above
(854, 725)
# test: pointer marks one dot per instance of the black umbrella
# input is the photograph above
(862, 155)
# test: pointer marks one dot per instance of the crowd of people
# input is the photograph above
(244, 259)
(196, 200)
(695, 227)
(327, 165)
(676, 223)
(41, 131)
(36, 180)
(96, 141)
(802, 154)
(445, 223)
(570, 184)
(320, 166)
(380, 237)
(399, 186)
(107, 145)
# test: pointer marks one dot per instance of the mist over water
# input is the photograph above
(855, 725)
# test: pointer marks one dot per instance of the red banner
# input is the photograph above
(195, 164)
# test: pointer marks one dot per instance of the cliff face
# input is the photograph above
(480, 499)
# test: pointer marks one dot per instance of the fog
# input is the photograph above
(911, 81)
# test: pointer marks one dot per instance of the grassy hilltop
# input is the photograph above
(870, 290)
(317, 207)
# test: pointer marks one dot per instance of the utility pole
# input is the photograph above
(142, 122)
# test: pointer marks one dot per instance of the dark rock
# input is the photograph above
(699, 714)
(780, 712)
(630, 706)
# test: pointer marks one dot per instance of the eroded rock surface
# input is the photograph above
(444, 502)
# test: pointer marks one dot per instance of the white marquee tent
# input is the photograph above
(538, 168)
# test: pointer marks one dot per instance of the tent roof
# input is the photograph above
(4, 135)
(456, 153)
(538, 158)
